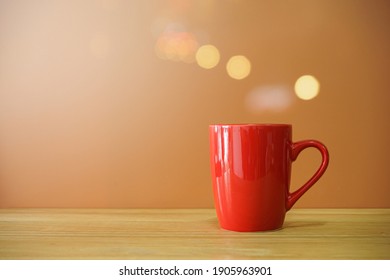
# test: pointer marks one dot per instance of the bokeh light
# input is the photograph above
(307, 87)
(177, 46)
(272, 98)
(207, 56)
(238, 67)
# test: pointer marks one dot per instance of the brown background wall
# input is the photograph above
(90, 116)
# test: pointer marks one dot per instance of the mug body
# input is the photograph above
(250, 168)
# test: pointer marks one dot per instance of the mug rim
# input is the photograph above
(252, 125)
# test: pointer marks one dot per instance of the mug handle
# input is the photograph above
(296, 148)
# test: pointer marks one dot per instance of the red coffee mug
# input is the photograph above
(251, 168)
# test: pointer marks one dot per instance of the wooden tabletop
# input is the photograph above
(190, 234)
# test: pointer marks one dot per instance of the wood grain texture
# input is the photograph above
(190, 234)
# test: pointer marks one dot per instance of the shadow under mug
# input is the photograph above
(251, 170)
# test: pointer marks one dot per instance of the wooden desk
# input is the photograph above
(189, 234)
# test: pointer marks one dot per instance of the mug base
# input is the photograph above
(252, 230)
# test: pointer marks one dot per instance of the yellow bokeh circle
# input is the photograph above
(238, 67)
(307, 87)
(207, 56)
